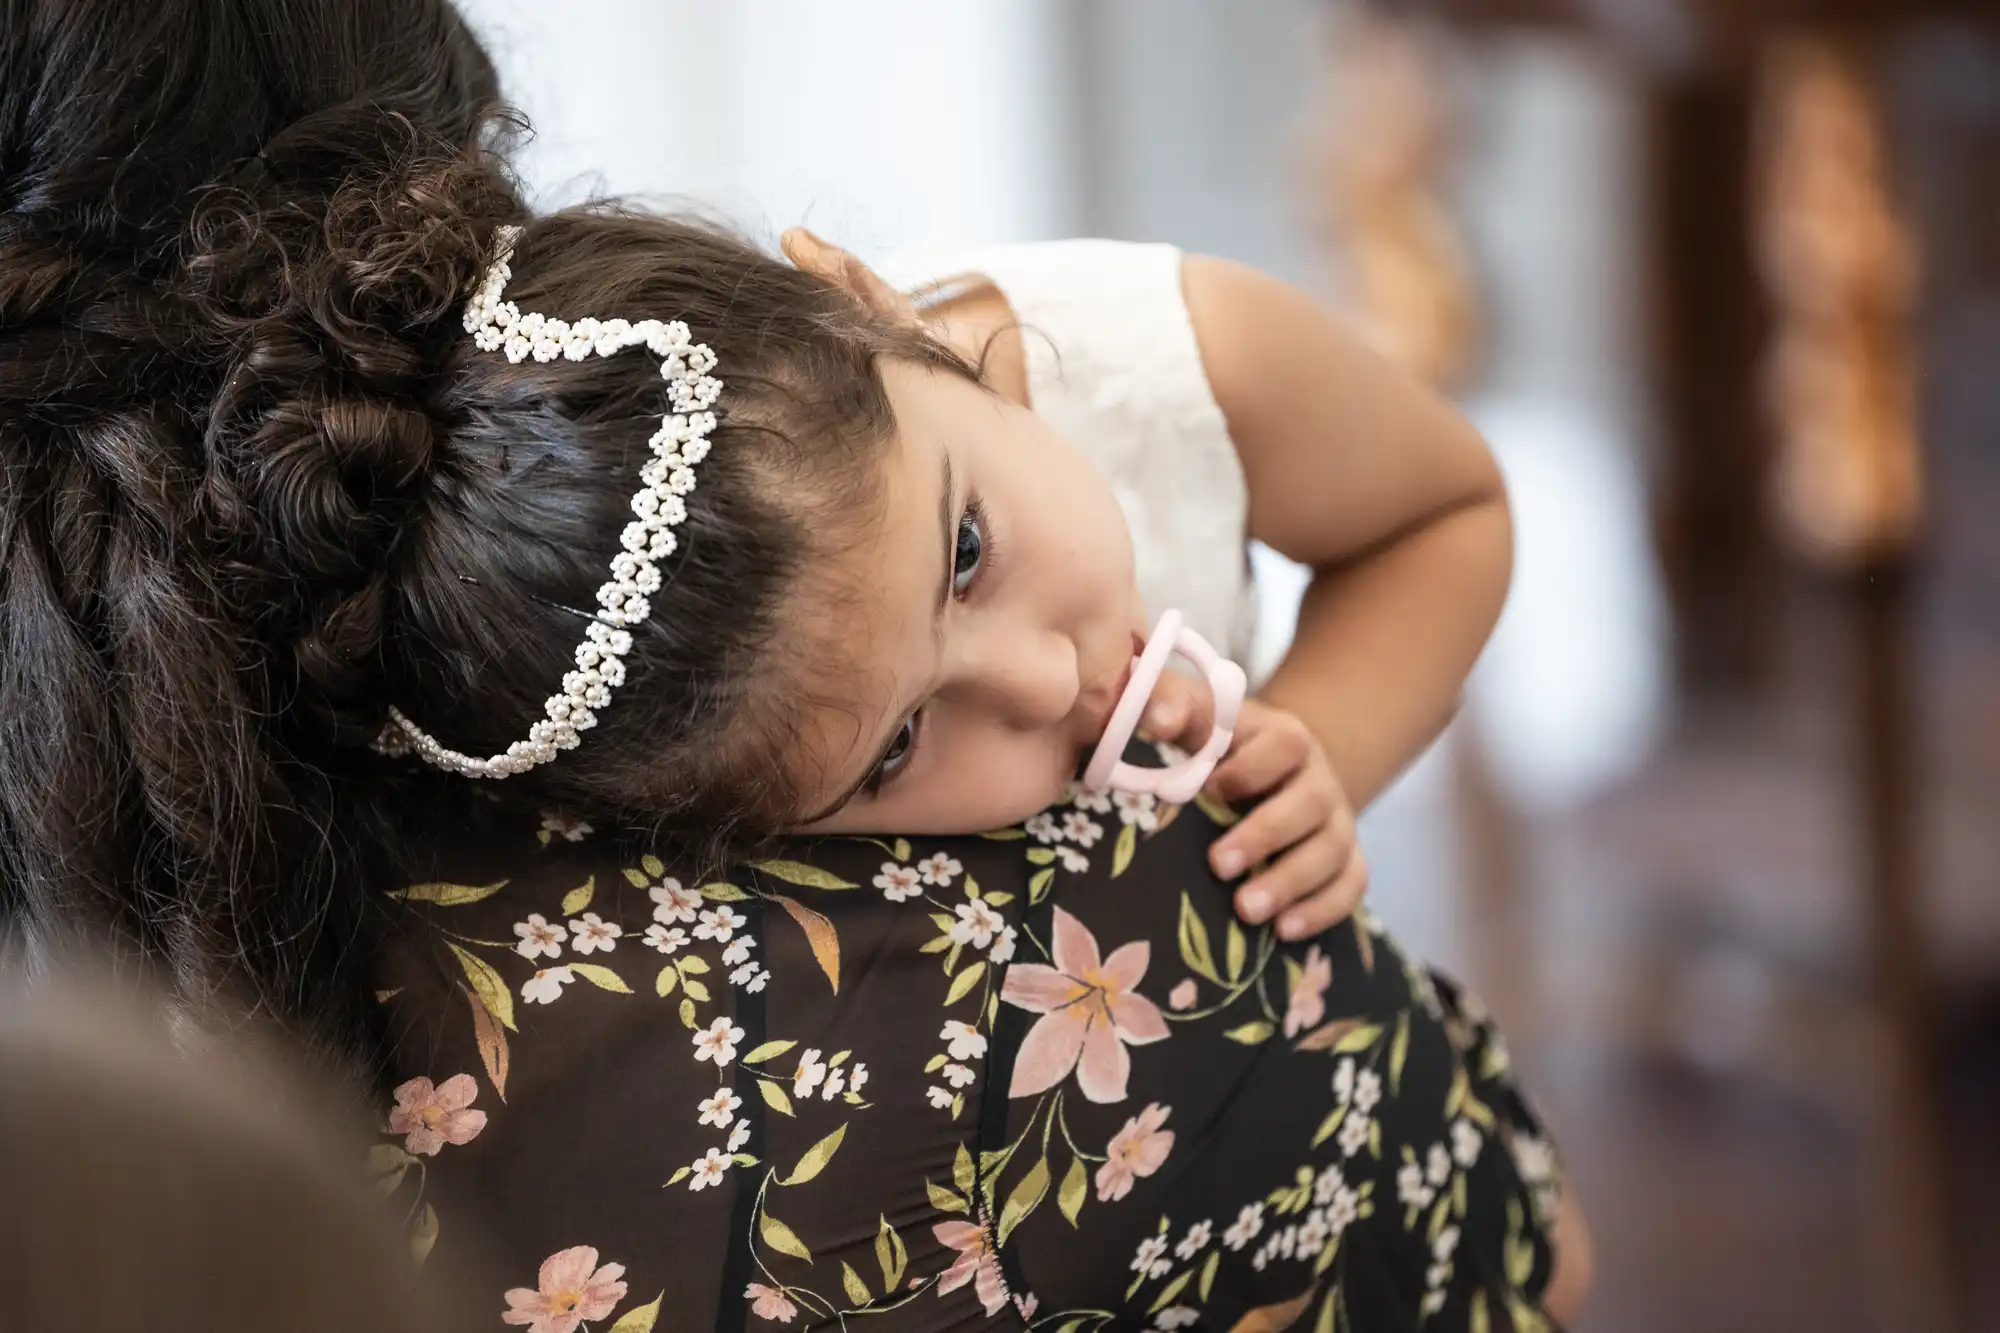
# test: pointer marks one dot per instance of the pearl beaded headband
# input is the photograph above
(659, 507)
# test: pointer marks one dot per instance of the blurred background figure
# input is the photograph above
(153, 1188)
(1721, 282)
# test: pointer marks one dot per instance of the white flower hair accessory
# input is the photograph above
(658, 508)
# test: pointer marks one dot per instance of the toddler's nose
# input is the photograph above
(1032, 684)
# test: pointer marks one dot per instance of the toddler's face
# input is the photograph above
(984, 629)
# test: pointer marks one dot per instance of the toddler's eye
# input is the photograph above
(970, 553)
(901, 746)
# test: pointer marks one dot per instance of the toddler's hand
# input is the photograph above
(1304, 826)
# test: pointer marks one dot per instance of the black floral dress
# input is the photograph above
(1039, 1077)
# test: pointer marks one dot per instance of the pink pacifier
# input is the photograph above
(1177, 783)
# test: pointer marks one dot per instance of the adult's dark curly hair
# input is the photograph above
(256, 483)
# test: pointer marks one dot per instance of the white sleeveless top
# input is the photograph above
(1113, 364)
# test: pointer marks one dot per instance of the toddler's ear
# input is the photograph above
(829, 261)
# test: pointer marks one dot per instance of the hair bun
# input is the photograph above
(336, 300)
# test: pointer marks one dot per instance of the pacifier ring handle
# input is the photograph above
(1176, 783)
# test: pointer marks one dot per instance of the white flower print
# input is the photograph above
(941, 1098)
(899, 883)
(1042, 828)
(709, 1169)
(739, 1136)
(1446, 1242)
(1437, 1167)
(1343, 1081)
(1072, 860)
(1176, 1317)
(1285, 1244)
(1083, 798)
(1465, 1142)
(717, 1042)
(674, 904)
(1313, 1233)
(546, 985)
(1354, 1135)
(1437, 1275)
(1410, 1186)
(958, 1075)
(1081, 829)
(1367, 1090)
(756, 983)
(1248, 1225)
(811, 1073)
(1196, 1240)
(1139, 808)
(1432, 1303)
(966, 1043)
(738, 951)
(977, 924)
(1345, 1208)
(743, 975)
(835, 1081)
(539, 939)
(1003, 947)
(1152, 1257)
(667, 939)
(856, 1077)
(1329, 1184)
(1533, 1158)
(720, 1109)
(559, 825)
(589, 933)
(721, 923)
(940, 869)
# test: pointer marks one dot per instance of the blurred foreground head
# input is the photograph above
(150, 1188)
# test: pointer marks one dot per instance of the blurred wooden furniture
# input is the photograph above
(1782, 283)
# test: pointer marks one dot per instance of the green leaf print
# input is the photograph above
(816, 1158)
(797, 872)
(1025, 1198)
(782, 1238)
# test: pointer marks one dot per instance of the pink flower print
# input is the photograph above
(1182, 997)
(899, 883)
(539, 938)
(1090, 1011)
(940, 869)
(976, 1264)
(570, 1289)
(1136, 1150)
(769, 1303)
(589, 933)
(431, 1117)
(674, 903)
(1308, 1004)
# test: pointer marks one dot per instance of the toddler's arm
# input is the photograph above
(1385, 491)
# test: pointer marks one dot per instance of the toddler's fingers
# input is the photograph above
(1180, 711)
(1333, 904)
(1259, 761)
(1292, 880)
(1291, 815)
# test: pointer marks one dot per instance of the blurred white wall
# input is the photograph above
(885, 124)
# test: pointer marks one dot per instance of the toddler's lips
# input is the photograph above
(1105, 704)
